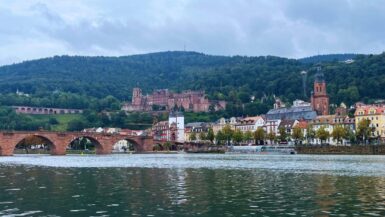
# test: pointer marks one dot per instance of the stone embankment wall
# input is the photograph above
(203, 148)
(360, 149)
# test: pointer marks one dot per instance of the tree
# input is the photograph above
(193, 136)
(203, 136)
(76, 125)
(310, 133)
(228, 133)
(282, 134)
(210, 135)
(297, 134)
(259, 135)
(237, 136)
(363, 130)
(220, 137)
(322, 134)
(53, 121)
(167, 146)
(349, 135)
(339, 133)
(271, 136)
(247, 136)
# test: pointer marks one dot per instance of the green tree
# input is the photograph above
(310, 134)
(363, 130)
(297, 134)
(247, 136)
(322, 134)
(220, 137)
(193, 136)
(237, 136)
(167, 146)
(349, 135)
(228, 133)
(259, 135)
(76, 125)
(271, 136)
(282, 134)
(338, 133)
(210, 135)
(203, 136)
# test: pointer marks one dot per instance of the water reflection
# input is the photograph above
(42, 191)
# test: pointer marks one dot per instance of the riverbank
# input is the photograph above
(349, 150)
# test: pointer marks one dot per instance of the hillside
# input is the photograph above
(327, 58)
(235, 78)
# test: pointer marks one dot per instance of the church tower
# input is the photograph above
(319, 97)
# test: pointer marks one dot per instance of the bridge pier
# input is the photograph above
(6, 151)
(59, 149)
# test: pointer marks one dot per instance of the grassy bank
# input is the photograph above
(63, 120)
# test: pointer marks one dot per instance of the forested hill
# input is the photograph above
(327, 58)
(235, 78)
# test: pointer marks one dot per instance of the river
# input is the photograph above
(192, 185)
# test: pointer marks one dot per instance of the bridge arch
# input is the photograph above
(95, 143)
(33, 143)
(126, 144)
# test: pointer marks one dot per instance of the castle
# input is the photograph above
(194, 101)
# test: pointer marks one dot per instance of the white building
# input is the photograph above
(250, 123)
(176, 126)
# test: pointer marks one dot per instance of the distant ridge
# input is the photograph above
(327, 58)
(232, 78)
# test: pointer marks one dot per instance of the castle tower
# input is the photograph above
(136, 96)
(319, 97)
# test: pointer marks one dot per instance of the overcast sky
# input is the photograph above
(297, 28)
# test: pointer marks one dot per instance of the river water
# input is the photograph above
(192, 185)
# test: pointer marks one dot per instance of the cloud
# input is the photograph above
(289, 28)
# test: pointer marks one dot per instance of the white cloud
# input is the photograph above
(291, 28)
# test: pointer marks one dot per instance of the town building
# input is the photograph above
(198, 128)
(299, 110)
(250, 123)
(222, 122)
(195, 101)
(176, 125)
(171, 130)
(319, 96)
(288, 125)
(376, 115)
(161, 131)
(328, 122)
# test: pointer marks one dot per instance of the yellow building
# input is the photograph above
(376, 115)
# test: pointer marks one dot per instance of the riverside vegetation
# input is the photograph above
(99, 85)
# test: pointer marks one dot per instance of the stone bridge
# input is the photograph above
(59, 141)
